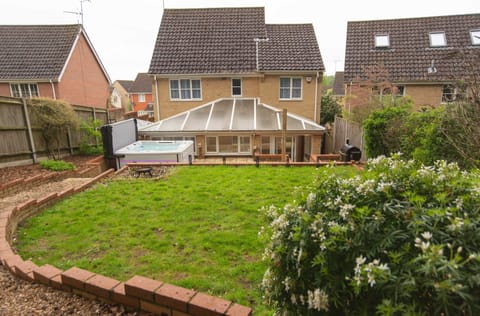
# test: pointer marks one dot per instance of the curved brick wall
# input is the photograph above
(138, 292)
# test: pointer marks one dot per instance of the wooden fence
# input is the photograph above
(21, 140)
(342, 130)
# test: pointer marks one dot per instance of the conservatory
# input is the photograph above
(241, 127)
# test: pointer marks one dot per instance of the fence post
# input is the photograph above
(29, 131)
(69, 139)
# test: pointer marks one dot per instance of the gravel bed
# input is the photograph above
(19, 297)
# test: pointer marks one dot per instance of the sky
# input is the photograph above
(123, 32)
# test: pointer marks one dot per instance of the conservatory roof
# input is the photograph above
(233, 115)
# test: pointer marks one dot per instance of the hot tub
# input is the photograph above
(155, 151)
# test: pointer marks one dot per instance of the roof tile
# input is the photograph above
(410, 55)
(32, 52)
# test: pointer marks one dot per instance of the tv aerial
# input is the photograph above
(79, 13)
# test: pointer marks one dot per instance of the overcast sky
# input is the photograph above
(123, 32)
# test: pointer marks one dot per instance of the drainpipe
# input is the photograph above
(156, 97)
(316, 99)
(53, 89)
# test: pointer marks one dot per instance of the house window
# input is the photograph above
(228, 144)
(141, 97)
(290, 88)
(475, 35)
(24, 90)
(185, 89)
(236, 87)
(451, 93)
(382, 40)
(438, 39)
(273, 145)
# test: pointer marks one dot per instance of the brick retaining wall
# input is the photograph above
(137, 293)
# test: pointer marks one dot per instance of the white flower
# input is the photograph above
(310, 200)
(427, 235)
(317, 300)
(360, 260)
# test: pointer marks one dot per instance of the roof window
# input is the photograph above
(438, 39)
(382, 41)
(475, 35)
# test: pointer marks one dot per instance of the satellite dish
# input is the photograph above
(432, 69)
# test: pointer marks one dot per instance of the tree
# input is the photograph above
(329, 109)
(54, 117)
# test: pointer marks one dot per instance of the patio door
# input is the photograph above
(273, 145)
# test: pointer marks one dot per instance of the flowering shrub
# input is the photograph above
(397, 239)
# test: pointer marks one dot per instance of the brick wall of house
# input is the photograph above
(83, 81)
(140, 106)
(266, 88)
(5, 89)
(425, 94)
(422, 95)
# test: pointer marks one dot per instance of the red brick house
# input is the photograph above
(417, 56)
(140, 93)
(53, 61)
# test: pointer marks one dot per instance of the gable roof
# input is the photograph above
(38, 52)
(222, 41)
(126, 84)
(409, 55)
(142, 84)
(290, 47)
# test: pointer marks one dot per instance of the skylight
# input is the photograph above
(382, 40)
(438, 39)
(475, 35)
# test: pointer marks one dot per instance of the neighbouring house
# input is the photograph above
(140, 93)
(417, 57)
(53, 61)
(120, 97)
(236, 85)
(338, 89)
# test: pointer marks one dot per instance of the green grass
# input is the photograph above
(197, 228)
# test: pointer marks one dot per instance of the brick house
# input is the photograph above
(416, 56)
(140, 93)
(120, 97)
(227, 62)
(53, 61)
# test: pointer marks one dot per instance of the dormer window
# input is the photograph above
(438, 39)
(382, 41)
(475, 36)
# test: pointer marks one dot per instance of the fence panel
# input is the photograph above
(345, 129)
(15, 146)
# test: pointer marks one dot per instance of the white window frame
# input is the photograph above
(190, 89)
(456, 94)
(437, 39)
(32, 87)
(141, 97)
(237, 87)
(382, 40)
(291, 88)
(239, 145)
(475, 37)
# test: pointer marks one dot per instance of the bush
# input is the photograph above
(56, 165)
(398, 239)
(383, 129)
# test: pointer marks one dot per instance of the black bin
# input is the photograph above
(349, 152)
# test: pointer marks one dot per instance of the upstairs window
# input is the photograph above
(290, 88)
(475, 36)
(141, 97)
(185, 89)
(382, 41)
(236, 87)
(24, 90)
(451, 93)
(438, 39)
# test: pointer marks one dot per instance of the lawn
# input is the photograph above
(196, 228)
